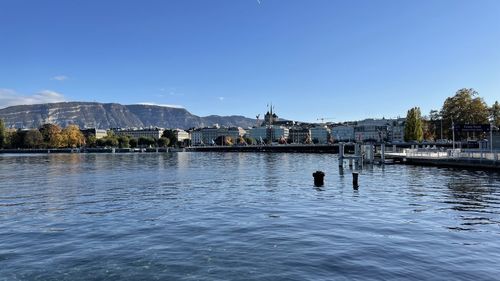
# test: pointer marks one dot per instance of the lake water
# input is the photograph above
(215, 216)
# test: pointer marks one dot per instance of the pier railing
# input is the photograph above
(453, 153)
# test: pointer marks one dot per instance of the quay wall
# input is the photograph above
(288, 148)
(269, 148)
(82, 150)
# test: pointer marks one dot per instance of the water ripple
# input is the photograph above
(216, 216)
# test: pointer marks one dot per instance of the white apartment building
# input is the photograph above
(378, 130)
(197, 137)
(320, 135)
(234, 132)
(181, 135)
(397, 133)
(273, 132)
(206, 136)
(343, 133)
(298, 134)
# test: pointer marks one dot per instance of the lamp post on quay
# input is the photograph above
(491, 134)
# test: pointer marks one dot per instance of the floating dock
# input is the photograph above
(475, 159)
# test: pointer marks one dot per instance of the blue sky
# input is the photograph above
(344, 60)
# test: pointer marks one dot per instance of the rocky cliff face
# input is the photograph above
(111, 115)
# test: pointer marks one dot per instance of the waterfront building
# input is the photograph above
(298, 134)
(272, 129)
(376, 130)
(196, 137)
(272, 133)
(210, 134)
(320, 135)
(234, 132)
(278, 132)
(258, 133)
(181, 135)
(207, 135)
(343, 133)
(496, 140)
(397, 130)
(97, 133)
(154, 133)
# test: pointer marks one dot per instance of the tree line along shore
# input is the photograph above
(466, 107)
(52, 136)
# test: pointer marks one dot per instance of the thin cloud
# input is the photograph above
(170, 92)
(221, 98)
(9, 97)
(163, 105)
(60, 78)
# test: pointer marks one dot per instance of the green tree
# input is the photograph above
(123, 142)
(111, 141)
(163, 142)
(91, 140)
(9, 136)
(465, 107)
(413, 126)
(16, 139)
(100, 142)
(133, 142)
(33, 139)
(145, 142)
(428, 129)
(495, 113)
(3, 134)
(142, 141)
(170, 134)
(435, 121)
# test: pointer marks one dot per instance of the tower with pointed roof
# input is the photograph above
(270, 116)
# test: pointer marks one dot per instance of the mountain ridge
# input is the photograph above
(112, 115)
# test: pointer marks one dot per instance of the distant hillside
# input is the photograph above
(112, 115)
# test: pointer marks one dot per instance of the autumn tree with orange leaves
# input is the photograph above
(72, 137)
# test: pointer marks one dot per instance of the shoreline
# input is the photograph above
(331, 148)
(457, 163)
(86, 150)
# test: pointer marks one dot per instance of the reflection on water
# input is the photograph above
(476, 198)
(248, 216)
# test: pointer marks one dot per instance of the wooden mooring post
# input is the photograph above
(319, 178)
(358, 161)
(355, 176)
(382, 153)
(341, 155)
